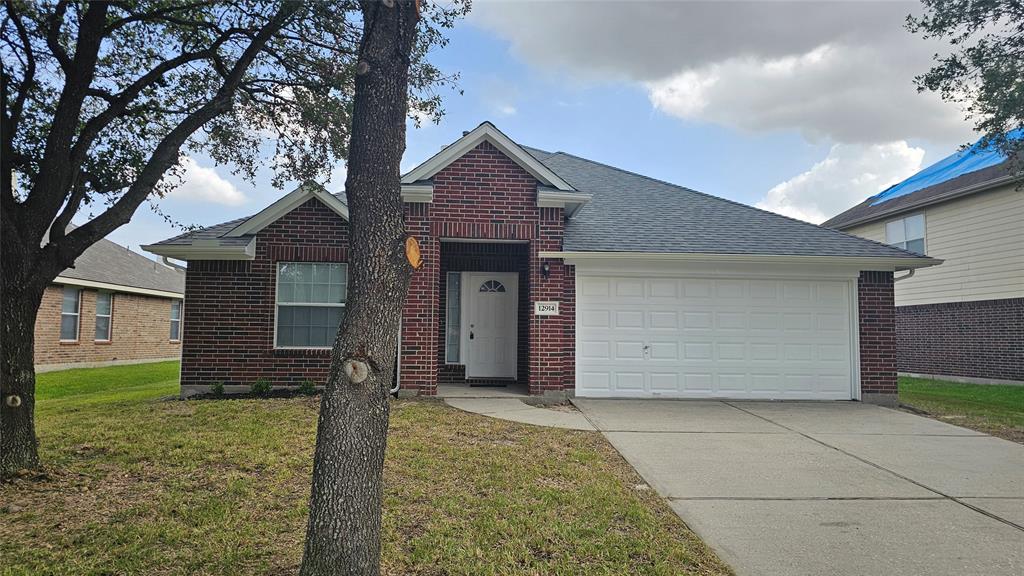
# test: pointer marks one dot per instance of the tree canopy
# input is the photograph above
(984, 73)
(100, 100)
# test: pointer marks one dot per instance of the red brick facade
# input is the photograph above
(876, 301)
(140, 330)
(230, 305)
(983, 339)
(484, 216)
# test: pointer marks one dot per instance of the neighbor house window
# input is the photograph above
(69, 313)
(104, 311)
(906, 233)
(454, 314)
(175, 320)
(310, 302)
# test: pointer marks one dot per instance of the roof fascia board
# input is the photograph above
(488, 132)
(286, 204)
(886, 263)
(418, 193)
(570, 201)
(116, 287)
(924, 202)
(208, 252)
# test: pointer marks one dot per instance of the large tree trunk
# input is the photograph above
(343, 535)
(19, 304)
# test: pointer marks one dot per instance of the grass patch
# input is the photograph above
(137, 485)
(991, 408)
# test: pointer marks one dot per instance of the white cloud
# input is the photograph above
(199, 184)
(841, 70)
(833, 91)
(849, 174)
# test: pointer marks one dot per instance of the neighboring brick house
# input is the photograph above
(112, 307)
(553, 275)
(963, 320)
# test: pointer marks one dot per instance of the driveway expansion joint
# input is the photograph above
(883, 468)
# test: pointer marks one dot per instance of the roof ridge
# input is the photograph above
(740, 204)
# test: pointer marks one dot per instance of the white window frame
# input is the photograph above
(181, 314)
(903, 221)
(109, 316)
(277, 304)
(77, 314)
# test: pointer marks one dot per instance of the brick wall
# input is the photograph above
(877, 334)
(140, 330)
(229, 306)
(983, 339)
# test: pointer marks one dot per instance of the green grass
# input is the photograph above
(138, 485)
(995, 409)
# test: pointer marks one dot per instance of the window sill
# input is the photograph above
(294, 352)
(174, 341)
(102, 342)
(69, 342)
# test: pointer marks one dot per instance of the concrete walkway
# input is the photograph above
(842, 488)
(518, 411)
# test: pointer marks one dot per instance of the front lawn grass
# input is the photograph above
(138, 485)
(990, 408)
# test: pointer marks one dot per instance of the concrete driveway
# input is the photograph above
(828, 488)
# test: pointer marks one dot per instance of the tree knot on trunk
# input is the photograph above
(355, 370)
(13, 401)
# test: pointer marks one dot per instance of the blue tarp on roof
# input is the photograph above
(962, 162)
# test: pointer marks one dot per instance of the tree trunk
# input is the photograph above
(343, 534)
(19, 304)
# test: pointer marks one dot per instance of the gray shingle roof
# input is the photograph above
(970, 183)
(112, 263)
(633, 213)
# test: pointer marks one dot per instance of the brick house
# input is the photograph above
(554, 275)
(112, 307)
(965, 319)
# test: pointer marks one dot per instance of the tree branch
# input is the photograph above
(166, 152)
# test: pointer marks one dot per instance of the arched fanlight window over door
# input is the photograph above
(492, 286)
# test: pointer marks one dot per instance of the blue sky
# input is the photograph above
(803, 123)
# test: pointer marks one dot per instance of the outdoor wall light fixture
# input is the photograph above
(545, 270)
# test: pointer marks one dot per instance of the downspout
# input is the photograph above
(909, 274)
(398, 364)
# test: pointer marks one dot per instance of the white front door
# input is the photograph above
(489, 329)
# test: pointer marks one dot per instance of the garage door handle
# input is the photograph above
(470, 335)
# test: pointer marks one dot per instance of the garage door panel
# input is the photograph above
(700, 337)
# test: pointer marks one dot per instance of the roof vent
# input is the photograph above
(465, 132)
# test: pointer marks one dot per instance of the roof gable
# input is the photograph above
(486, 132)
(286, 204)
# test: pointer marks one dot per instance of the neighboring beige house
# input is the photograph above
(112, 307)
(965, 318)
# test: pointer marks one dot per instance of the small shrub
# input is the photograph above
(260, 388)
(307, 387)
(217, 388)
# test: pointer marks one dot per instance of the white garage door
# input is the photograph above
(713, 338)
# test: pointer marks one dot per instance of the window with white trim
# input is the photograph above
(175, 320)
(906, 233)
(104, 313)
(310, 301)
(70, 309)
(453, 334)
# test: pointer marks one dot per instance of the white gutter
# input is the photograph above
(116, 287)
(176, 266)
(198, 251)
(864, 262)
(909, 274)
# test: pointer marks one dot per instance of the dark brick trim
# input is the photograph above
(877, 330)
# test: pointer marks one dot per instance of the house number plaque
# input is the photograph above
(545, 308)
